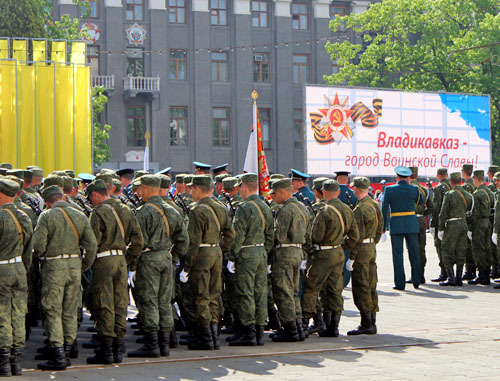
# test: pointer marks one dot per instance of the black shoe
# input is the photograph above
(398, 288)
(470, 273)
(5, 367)
(203, 341)
(238, 331)
(104, 355)
(365, 328)
(300, 329)
(374, 322)
(57, 361)
(95, 342)
(71, 350)
(163, 343)
(497, 287)
(451, 281)
(247, 339)
(458, 276)
(327, 317)
(259, 334)
(288, 334)
(150, 347)
(409, 281)
(332, 329)
(214, 330)
(442, 277)
(173, 342)
(118, 344)
(318, 324)
(15, 361)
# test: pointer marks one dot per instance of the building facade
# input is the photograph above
(185, 70)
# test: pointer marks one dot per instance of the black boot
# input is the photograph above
(214, 330)
(374, 321)
(71, 350)
(365, 328)
(442, 277)
(237, 331)
(163, 341)
(288, 334)
(118, 350)
(305, 326)
(319, 324)
(5, 367)
(327, 317)
(274, 321)
(173, 343)
(259, 334)
(485, 279)
(458, 277)
(203, 340)
(332, 329)
(187, 338)
(150, 347)
(44, 353)
(451, 281)
(494, 272)
(95, 342)
(15, 361)
(248, 338)
(103, 355)
(300, 330)
(470, 273)
(56, 362)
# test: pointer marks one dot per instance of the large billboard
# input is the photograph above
(369, 131)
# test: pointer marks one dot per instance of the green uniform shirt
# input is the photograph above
(484, 201)
(369, 221)
(293, 225)
(423, 209)
(26, 209)
(454, 206)
(493, 187)
(10, 242)
(169, 202)
(469, 186)
(437, 201)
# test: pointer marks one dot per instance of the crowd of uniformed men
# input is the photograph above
(207, 256)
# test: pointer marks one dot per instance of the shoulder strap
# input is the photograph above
(463, 198)
(213, 214)
(70, 222)
(339, 216)
(18, 225)
(487, 195)
(372, 206)
(301, 213)
(118, 220)
(162, 213)
(260, 213)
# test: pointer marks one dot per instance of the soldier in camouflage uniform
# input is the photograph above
(438, 195)
(119, 242)
(210, 234)
(254, 228)
(495, 264)
(453, 230)
(332, 223)
(496, 218)
(468, 186)
(165, 235)
(219, 188)
(480, 231)
(15, 259)
(164, 188)
(362, 258)
(60, 232)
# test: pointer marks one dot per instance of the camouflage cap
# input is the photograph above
(50, 191)
(281, 184)
(202, 180)
(37, 171)
(59, 173)
(6, 165)
(140, 173)
(53, 180)
(106, 177)
(318, 182)
(16, 179)
(277, 176)
(148, 180)
(70, 173)
(95, 185)
(361, 182)
(493, 169)
(456, 176)
(165, 181)
(467, 167)
(18, 173)
(496, 176)
(68, 182)
(188, 179)
(414, 170)
(3, 171)
(118, 185)
(249, 177)
(478, 173)
(179, 179)
(230, 182)
(330, 186)
(442, 171)
(8, 187)
(219, 178)
(110, 172)
(75, 183)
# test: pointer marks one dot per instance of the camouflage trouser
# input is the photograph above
(205, 279)
(110, 295)
(325, 270)
(422, 228)
(454, 243)
(250, 284)
(364, 279)
(153, 290)
(13, 305)
(285, 275)
(61, 295)
(481, 248)
(437, 244)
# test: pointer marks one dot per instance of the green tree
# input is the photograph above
(100, 134)
(22, 18)
(450, 45)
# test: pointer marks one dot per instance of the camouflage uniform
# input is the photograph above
(470, 264)
(438, 195)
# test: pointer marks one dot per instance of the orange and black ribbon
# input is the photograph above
(322, 134)
(368, 118)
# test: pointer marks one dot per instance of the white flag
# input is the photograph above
(145, 164)
(252, 160)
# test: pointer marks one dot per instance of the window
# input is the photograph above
(337, 11)
(261, 67)
(218, 12)
(93, 7)
(265, 125)
(297, 128)
(176, 11)
(178, 126)
(136, 126)
(219, 67)
(335, 66)
(260, 13)
(134, 10)
(177, 65)
(300, 16)
(300, 68)
(93, 60)
(135, 62)
(220, 127)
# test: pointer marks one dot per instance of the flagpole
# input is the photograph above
(145, 165)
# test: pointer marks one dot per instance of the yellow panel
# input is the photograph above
(4, 49)
(39, 50)
(19, 49)
(59, 51)
(83, 121)
(26, 114)
(64, 102)
(78, 52)
(45, 117)
(8, 124)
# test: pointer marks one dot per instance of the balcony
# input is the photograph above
(106, 81)
(148, 87)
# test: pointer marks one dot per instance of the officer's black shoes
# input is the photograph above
(259, 334)
(288, 334)
(203, 340)
(247, 339)
(332, 329)
(451, 281)
(458, 277)
(409, 281)
(442, 277)
(163, 343)
(57, 361)
(374, 322)
(365, 328)
(103, 355)
(118, 346)
(15, 361)
(5, 368)
(150, 347)
(214, 330)
(173, 343)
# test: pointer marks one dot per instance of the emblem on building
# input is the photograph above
(93, 32)
(136, 34)
(330, 124)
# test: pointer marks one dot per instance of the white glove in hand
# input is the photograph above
(183, 276)
(231, 267)
(440, 235)
(303, 265)
(433, 231)
(269, 269)
(131, 278)
(494, 238)
(349, 264)
(383, 237)
(469, 235)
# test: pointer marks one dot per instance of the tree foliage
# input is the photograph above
(22, 18)
(433, 45)
(100, 133)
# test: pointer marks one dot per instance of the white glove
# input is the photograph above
(269, 269)
(383, 237)
(469, 235)
(303, 265)
(494, 238)
(440, 235)
(231, 267)
(183, 276)
(131, 278)
(349, 264)
(433, 231)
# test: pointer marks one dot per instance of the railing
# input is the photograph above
(106, 81)
(142, 84)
